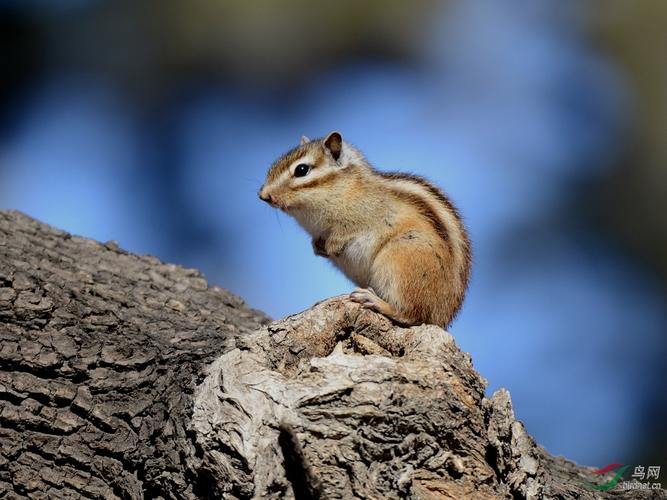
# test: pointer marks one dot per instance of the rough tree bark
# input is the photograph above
(123, 377)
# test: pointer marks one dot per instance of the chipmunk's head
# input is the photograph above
(308, 174)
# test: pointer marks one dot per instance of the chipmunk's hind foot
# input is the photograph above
(370, 300)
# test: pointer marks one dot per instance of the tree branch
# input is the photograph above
(121, 376)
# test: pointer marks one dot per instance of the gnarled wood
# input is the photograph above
(378, 411)
(124, 377)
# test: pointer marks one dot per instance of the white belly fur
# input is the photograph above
(357, 259)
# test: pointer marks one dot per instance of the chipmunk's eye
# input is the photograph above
(301, 170)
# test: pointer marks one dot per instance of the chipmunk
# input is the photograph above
(396, 236)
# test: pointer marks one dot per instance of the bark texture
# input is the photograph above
(123, 377)
(100, 353)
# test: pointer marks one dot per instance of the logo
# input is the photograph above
(619, 468)
(640, 473)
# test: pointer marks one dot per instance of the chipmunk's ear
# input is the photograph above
(334, 144)
(304, 140)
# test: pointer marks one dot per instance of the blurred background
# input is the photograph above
(153, 124)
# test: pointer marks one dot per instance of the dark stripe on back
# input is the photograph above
(432, 216)
(425, 184)
(426, 210)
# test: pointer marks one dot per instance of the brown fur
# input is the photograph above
(442, 198)
(282, 163)
(396, 234)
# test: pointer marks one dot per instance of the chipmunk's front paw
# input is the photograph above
(334, 247)
(329, 247)
(319, 247)
(367, 298)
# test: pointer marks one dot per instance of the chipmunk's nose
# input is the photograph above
(264, 196)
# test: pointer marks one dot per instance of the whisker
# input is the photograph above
(253, 180)
(278, 219)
